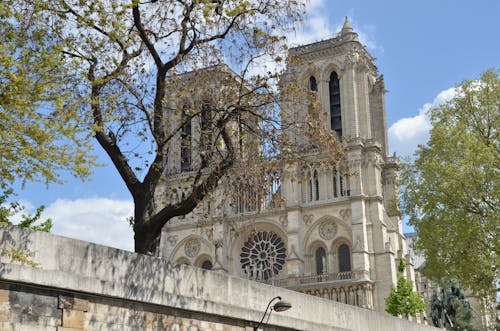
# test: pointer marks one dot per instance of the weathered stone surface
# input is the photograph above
(73, 318)
(70, 302)
(128, 291)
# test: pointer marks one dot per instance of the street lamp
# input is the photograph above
(277, 307)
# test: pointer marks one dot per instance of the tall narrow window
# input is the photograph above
(206, 126)
(185, 142)
(316, 186)
(347, 185)
(341, 180)
(320, 257)
(310, 187)
(335, 113)
(313, 85)
(335, 190)
(344, 255)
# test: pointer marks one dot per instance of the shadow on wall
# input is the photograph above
(15, 250)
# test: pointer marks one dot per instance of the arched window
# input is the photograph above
(347, 185)
(344, 255)
(320, 257)
(335, 190)
(313, 85)
(185, 142)
(316, 186)
(335, 114)
(206, 127)
(310, 187)
(207, 265)
(341, 180)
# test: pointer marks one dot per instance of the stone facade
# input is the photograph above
(71, 285)
(335, 231)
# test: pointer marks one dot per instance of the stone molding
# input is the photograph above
(82, 267)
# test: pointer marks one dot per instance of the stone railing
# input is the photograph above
(294, 281)
(358, 294)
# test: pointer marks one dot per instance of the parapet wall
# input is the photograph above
(78, 285)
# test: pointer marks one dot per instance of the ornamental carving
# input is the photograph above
(172, 239)
(283, 219)
(192, 247)
(263, 255)
(345, 213)
(328, 230)
(308, 219)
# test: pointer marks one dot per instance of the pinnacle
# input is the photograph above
(346, 28)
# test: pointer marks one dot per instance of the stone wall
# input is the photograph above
(77, 285)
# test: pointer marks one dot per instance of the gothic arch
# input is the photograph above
(343, 228)
(235, 248)
(312, 258)
(308, 72)
(200, 260)
(310, 182)
(183, 260)
(191, 247)
(336, 247)
(327, 70)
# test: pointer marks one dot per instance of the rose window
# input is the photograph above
(263, 255)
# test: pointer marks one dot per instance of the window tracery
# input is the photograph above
(263, 255)
(335, 111)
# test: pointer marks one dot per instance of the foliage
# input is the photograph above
(450, 309)
(41, 129)
(403, 300)
(146, 71)
(27, 221)
(452, 190)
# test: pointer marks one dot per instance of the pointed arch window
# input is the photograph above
(320, 258)
(335, 182)
(310, 188)
(344, 255)
(206, 125)
(316, 185)
(185, 141)
(207, 265)
(335, 113)
(313, 85)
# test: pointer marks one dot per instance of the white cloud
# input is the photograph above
(319, 26)
(409, 132)
(99, 220)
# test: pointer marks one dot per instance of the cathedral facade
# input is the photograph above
(337, 231)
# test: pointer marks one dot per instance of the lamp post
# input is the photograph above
(277, 307)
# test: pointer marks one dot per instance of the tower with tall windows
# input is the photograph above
(335, 230)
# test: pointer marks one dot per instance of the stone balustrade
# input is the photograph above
(294, 281)
(340, 287)
(358, 294)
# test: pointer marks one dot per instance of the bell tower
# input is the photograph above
(349, 92)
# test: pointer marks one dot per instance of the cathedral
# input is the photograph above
(337, 232)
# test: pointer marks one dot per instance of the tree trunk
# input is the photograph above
(146, 231)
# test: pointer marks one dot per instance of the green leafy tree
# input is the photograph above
(41, 127)
(138, 69)
(403, 300)
(450, 309)
(452, 190)
(7, 210)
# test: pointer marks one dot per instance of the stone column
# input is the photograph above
(295, 257)
(348, 97)
(363, 100)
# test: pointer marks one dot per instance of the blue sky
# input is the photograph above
(423, 49)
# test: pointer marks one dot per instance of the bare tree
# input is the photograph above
(148, 70)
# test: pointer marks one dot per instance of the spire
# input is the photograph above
(346, 28)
